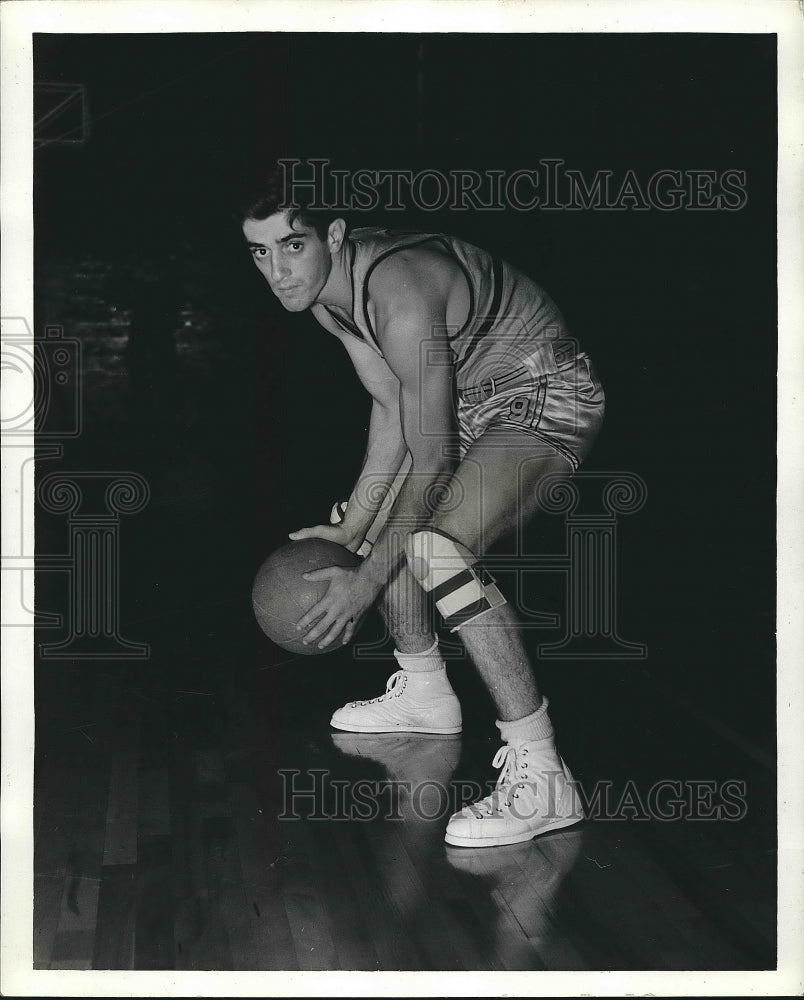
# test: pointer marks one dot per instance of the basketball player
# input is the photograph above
(478, 386)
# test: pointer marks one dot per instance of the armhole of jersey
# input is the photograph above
(469, 286)
(491, 318)
(352, 331)
(410, 246)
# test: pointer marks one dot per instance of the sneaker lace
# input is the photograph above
(514, 768)
(393, 682)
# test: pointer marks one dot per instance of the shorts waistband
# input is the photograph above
(487, 388)
(565, 353)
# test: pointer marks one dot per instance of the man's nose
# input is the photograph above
(279, 268)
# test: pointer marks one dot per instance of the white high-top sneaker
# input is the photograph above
(535, 793)
(414, 702)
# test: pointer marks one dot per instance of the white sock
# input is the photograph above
(424, 662)
(536, 726)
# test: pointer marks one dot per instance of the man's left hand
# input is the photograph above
(350, 594)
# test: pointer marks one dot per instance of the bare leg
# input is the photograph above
(403, 605)
(406, 610)
(500, 475)
(494, 644)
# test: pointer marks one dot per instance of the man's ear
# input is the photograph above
(336, 234)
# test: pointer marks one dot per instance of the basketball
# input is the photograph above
(281, 596)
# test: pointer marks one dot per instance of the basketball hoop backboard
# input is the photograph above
(61, 114)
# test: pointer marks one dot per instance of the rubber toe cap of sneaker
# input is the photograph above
(464, 825)
(343, 715)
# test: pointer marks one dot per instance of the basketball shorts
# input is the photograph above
(565, 409)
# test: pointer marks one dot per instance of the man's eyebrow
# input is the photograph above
(283, 239)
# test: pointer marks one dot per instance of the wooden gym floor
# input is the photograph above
(159, 843)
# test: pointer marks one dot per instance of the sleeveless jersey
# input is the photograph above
(512, 322)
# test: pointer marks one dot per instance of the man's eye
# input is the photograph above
(258, 251)
(296, 245)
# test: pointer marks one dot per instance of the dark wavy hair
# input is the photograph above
(268, 196)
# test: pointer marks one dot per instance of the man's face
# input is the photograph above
(293, 259)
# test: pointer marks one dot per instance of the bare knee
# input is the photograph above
(468, 529)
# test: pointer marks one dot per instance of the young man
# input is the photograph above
(476, 383)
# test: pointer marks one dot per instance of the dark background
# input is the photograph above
(678, 310)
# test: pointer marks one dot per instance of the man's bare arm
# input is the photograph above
(385, 450)
(410, 327)
(385, 453)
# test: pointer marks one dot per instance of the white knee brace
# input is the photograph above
(462, 590)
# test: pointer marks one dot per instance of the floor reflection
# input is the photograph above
(525, 880)
(511, 892)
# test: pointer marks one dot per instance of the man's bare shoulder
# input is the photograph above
(415, 277)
